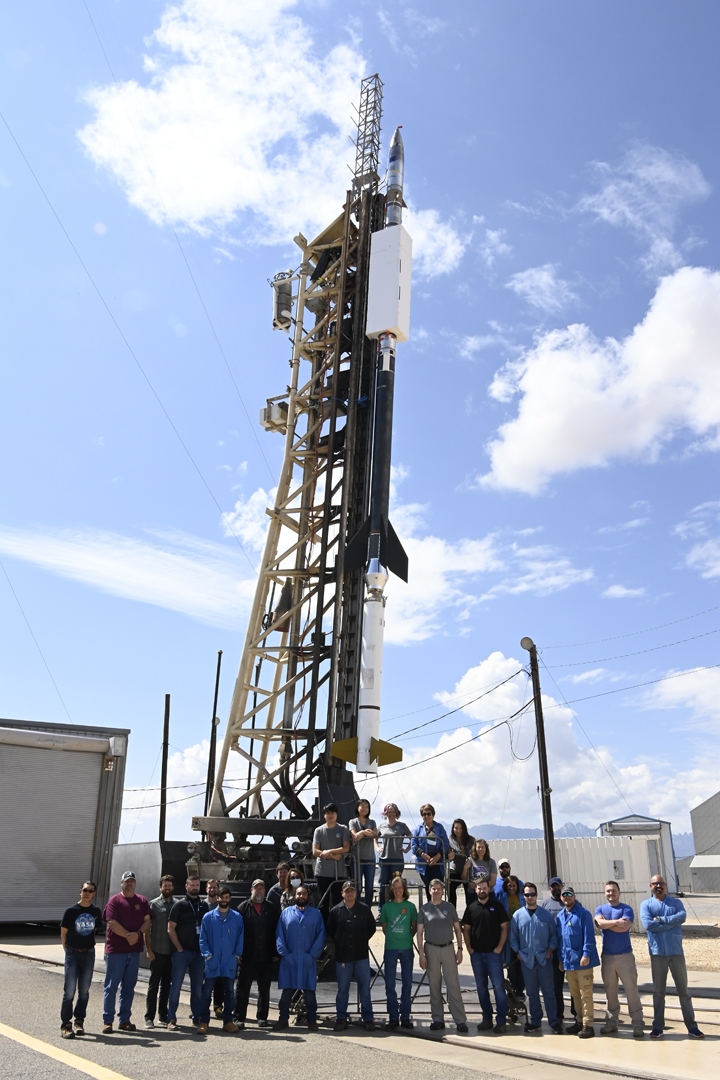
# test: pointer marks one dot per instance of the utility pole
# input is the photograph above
(210, 783)
(163, 775)
(545, 789)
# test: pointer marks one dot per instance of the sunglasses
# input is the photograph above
(87, 890)
(531, 894)
(657, 884)
(426, 813)
(567, 894)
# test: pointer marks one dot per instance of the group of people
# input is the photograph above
(505, 925)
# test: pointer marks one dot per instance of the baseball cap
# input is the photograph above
(555, 881)
(129, 875)
(258, 881)
(348, 885)
(568, 891)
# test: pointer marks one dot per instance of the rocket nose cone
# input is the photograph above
(397, 137)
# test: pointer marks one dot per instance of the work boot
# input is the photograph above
(231, 1027)
(587, 1033)
(609, 1028)
(574, 1029)
(67, 1032)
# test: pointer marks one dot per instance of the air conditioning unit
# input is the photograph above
(274, 416)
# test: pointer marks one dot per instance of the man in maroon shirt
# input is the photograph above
(127, 915)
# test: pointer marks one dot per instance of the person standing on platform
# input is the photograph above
(533, 939)
(160, 951)
(127, 915)
(184, 929)
(430, 846)
(260, 918)
(480, 865)
(364, 832)
(331, 841)
(300, 940)
(398, 920)
(617, 963)
(275, 891)
(554, 905)
(663, 916)
(78, 927)
(351, 927)
(221, 945)
(437, 921)
(485, 926)
(461, 845)
(394, 842)
(578, 956)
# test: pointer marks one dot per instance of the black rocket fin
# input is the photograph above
(397, 559)
(357, 549)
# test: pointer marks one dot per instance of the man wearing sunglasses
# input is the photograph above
(79, 925)
(578, 957)
(533, 936)
(663, 916)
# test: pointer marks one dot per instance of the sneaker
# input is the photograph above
(486, 1025)
(172, 1025)
(532, 1027)
(695, 1033)
(149, 1024)
(574, 1029)
(407, 1024)
(127, 1026)
(437, 1025)
(202, 1029)
(368, 1025)
(341, 1025)
(463, 1029)
(219, 1011)
(656, 1033)
(230, 1026)
(281, 1025)
(558, 1028)
(107, 1029)
(500, 1029)
(162, 1023)
(194, 1021)
(79, 1027)
(240, 1024)
(67, 1032)
(587, 1033)
(313, 1025)
(263, 1024)
(392, 1025)
(638, 1033)
(609, 1028)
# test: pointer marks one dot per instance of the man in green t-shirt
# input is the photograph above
(398, 919)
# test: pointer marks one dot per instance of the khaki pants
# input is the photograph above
(622, 968)
(581, 988)
(441, 963)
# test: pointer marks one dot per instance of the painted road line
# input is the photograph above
(90, 1068)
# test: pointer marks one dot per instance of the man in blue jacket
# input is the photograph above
(578, 957)
(533, 936)
(430, 846)
(663, 916)
(300, 940)
(221, 944)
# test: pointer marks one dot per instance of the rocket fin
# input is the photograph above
(345, 749)
(357, 550)
(384, 753)
(397, 560)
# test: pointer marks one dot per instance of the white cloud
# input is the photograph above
(705, 558)
(187, 774)
(541, 287)
(620, 592)
(645, 194)
(472, 344)
(248, 519)
(624, 526)
(207, 581)
(596, 675)
(697, 691)
(241, 129)
(494, 246)
(542, 571)
(584, 402)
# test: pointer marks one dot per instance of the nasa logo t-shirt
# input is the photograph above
(81, 923)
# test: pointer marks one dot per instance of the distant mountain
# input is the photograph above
(683, 844)
(510, 832)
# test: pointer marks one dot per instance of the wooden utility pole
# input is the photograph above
(545, 789)
(210, 783)
(163, 775)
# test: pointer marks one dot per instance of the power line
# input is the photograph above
(634, 633)
(37, 645)
(459, 708)
(426, 708)
(126, 342)
(182, 250)
(623, 656)
(635, 686)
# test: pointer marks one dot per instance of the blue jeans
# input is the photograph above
(405, 956)
(228, 1000)
(539, 978)
(490, 964)
(121, 969)
(79, 966)
(364, 876)
(387, 869)
(310, 1004)
(344, 973)
(182, 962)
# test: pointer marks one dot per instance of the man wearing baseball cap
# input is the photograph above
(260, 919)
(127, 915)
(554, 905)
(578, 957)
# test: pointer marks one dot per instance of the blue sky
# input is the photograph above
(557, 407)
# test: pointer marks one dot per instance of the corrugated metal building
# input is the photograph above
(61, 788)
(705, 867)
(658, 837)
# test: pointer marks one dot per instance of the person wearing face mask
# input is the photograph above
(299, 941)
(221, 945)
(295, 878)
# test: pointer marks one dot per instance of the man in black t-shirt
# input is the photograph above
(485, 927)
(184, 931)
(79, 925)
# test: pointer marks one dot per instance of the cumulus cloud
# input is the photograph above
(248, 519)
(240, 129)
(206, 581)
(621, 592)
(541, 287)
(494, 246)
(584, 402)
(645, 194)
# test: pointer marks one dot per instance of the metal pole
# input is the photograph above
(163, 776)
(210, 783)
(545, 789)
